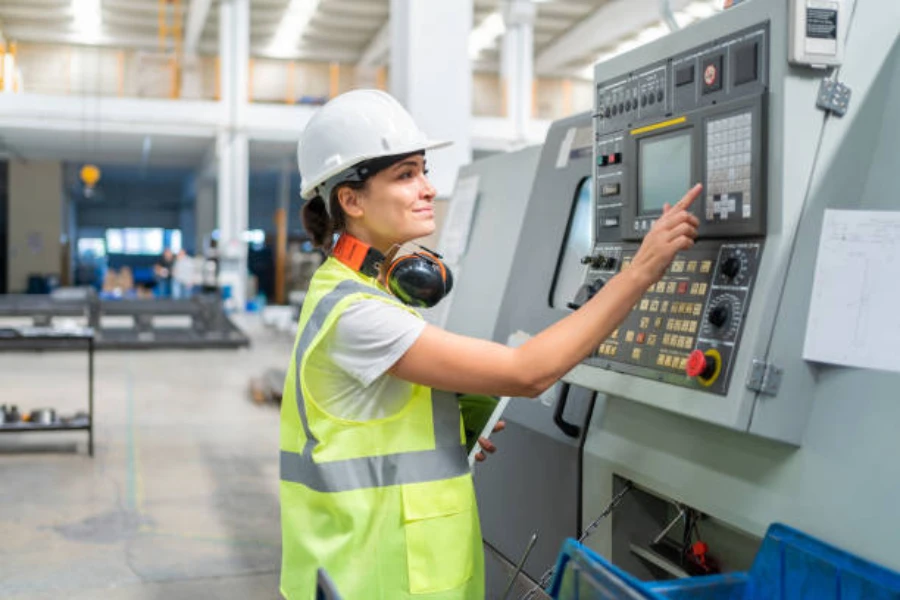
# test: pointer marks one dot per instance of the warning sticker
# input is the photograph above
(821, 23)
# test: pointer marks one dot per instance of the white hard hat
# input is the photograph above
(352, 128)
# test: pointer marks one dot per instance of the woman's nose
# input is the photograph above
(428, 191)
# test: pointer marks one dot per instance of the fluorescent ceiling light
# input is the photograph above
(294, 21)
(485, 35)
(87, 18)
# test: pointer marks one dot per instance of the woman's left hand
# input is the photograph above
(486, 444)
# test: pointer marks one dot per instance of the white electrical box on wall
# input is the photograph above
(815, 34)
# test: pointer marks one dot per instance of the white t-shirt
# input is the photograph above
(369, 337)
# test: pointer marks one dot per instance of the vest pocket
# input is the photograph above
(438, 521)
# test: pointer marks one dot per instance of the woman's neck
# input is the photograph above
(383, 246)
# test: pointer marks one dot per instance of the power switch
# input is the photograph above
(712, 74)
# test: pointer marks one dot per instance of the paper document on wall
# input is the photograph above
(455, 235)
(853, 317)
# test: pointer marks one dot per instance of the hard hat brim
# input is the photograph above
(308, 190)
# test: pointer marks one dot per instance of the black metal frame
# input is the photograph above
(32, 340)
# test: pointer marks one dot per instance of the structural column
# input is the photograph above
(517, 62)
(232, 147)
(431, 74)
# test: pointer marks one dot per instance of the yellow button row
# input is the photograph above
(687, 308)
(607, 349)
(681, 266)
(699, 289)
(685, 342)
(674, 362)
(682, 325)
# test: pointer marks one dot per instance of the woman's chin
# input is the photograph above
(423, 229)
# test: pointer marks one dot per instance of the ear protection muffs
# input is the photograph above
(420, 279)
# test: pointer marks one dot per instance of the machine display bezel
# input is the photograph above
(635, 225)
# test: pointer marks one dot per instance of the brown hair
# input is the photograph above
(321, 226)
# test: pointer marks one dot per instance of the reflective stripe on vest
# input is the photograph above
(447, 460)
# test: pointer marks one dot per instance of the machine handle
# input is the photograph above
(570, 429)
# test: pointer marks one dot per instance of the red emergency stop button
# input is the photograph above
(701, 365)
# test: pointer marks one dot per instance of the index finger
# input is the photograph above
(688, 199)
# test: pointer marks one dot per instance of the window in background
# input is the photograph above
(115, 241)
(90, 248)
(139, 241)
(173, 240)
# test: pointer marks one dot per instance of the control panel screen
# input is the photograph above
(579, 243)
(665, 170)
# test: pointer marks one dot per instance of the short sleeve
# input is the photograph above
(371, 336)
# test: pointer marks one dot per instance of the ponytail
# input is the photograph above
(317, 223)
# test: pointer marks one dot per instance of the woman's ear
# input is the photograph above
(350, 201)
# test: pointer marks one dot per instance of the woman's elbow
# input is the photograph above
(531, 386)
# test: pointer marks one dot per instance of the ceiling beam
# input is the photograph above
(377, 52)
(609, 23)
(34, 13)
(54, 35)
(359, 8)
(196, 19)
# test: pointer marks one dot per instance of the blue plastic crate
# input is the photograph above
(790, 565)
(582, 574)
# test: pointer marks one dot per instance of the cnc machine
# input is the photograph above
(702, 399)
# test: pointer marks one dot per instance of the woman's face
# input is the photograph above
(396, 206)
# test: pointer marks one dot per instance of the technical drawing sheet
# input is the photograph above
(854, 315)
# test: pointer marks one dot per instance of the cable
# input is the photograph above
(803, 210)
(548, 574)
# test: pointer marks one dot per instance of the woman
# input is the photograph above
(375, 486)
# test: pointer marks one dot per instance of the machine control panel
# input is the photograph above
(706, 123)
(698, 307)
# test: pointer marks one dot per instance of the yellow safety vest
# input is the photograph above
(386, 506)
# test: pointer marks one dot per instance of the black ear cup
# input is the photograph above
(419, 280)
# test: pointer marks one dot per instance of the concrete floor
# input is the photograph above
(181, 497)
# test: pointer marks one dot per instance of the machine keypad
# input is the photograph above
(729, 147)
(675, 315)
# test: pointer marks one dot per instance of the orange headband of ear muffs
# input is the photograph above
(420, 279)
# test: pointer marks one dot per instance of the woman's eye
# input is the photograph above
(406, 175)
(426, 171)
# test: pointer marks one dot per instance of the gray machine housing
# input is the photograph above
(822, 452)
(841, 483)
(533, 484)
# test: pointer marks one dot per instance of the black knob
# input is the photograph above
(585, 293)
(659, 96)
(731, 267)
(621, 107)
(644, 100)
(587, 259)
(719, 315)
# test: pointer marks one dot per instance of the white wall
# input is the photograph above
(35, 221)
